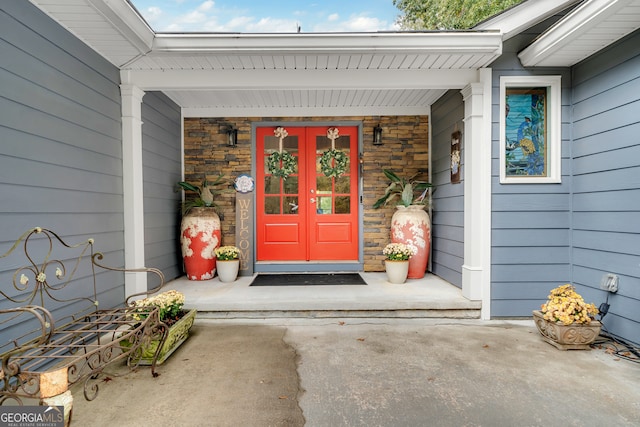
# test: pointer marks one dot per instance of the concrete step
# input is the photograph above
(429, 297)
(335, 314)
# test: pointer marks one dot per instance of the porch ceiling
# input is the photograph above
(311, 74)
(280, 74)
(329, 74)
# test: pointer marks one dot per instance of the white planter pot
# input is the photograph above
(228, 270)
(397, 271)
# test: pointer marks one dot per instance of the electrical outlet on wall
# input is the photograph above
(609, 283)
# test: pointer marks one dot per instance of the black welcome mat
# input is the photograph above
(308, 279)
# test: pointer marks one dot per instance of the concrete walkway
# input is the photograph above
(370, 372)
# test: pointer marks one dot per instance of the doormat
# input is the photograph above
(308, 279)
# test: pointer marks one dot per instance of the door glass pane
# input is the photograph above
(322, 144)
(270, 144)
(290, 144)
(266, 162)
(275, 188)
(319, 168)
(291, 185)
(323, 205)
(271, 185)
(272, 205)
(343, 184)
(290, 205)
(323, 184)
(342, 205)
(327, 188)
(343, 143)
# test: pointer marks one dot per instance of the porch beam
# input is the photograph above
(253, 79)
(132, 180)
(473, 42)
(302, 111)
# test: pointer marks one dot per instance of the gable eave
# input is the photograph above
(589, 28)
(518, 18)
(114, 29)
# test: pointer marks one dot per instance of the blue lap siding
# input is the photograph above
(606, 181)
(61, 146)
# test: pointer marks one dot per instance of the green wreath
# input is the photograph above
(281, 164)
(339, 167)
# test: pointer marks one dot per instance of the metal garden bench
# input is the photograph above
(53, 333)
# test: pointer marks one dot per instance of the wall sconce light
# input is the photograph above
(377, 135)
(232, 136)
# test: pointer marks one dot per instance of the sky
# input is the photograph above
(268, 16)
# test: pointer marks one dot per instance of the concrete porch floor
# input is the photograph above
(429, 297)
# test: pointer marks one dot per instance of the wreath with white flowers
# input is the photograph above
(281, 164)
(333, 163)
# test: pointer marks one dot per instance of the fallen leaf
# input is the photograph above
(617, 359)
(340, 323)
(107, 379)
(360, 339)
(283, 397)
(485, 346)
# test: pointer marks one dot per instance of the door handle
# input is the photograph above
(312, 200)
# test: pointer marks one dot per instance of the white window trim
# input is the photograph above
(554, 123)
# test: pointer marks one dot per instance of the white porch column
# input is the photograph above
(132, 187)
(476, 270)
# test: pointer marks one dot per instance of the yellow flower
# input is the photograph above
(566, 306)
(398, 252)
(226, 253)
(170, 303)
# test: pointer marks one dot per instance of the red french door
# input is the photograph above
(304, 211)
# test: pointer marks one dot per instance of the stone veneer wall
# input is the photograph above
(404, 150)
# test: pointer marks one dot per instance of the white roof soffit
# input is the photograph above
(586, 30)
(113, 28)
(514, 20)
